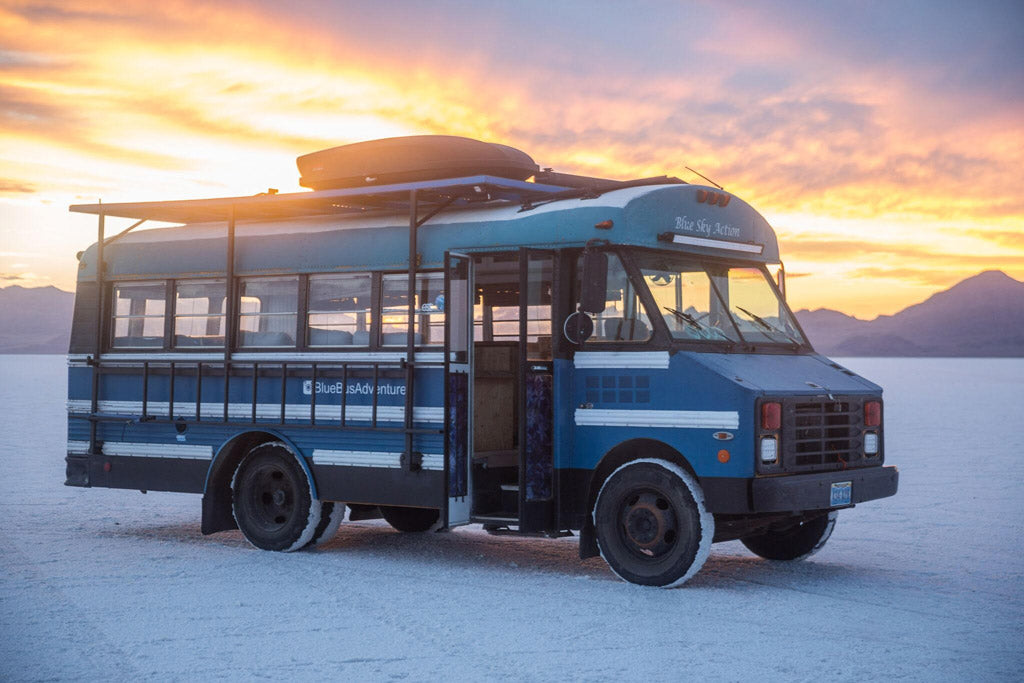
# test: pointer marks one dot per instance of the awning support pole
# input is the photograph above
(98, 346)
(410, 340)
(126, 231)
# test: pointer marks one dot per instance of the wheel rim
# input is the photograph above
(271, 499)
(648, 524)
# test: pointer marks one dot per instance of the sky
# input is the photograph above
(883, 141)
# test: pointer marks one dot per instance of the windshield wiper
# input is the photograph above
(767, 326)
(705, 332)
(686, 318)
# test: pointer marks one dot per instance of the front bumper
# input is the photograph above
(796, 492)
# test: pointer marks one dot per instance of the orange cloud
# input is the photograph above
(862, 165)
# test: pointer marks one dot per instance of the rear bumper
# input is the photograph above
(796, 492)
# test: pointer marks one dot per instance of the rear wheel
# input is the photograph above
(272, 499)
(413, 520)
(794, 543)
(651, 523)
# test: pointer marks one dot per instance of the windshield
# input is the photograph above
(701, 301)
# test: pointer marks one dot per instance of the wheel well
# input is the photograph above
(613, 460)
(217, 514)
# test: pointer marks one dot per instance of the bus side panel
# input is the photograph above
(380, 485)
(148, 474)
(683, 405)
(354, 464)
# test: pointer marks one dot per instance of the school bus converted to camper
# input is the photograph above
(441, 333)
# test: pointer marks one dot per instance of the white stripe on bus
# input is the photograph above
(264, 411)
(431, 461)
(657, 360)
(676, 419)
(270, 358)
(147, 450)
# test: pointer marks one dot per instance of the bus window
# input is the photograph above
(340, 310)
(759, 313)
(267, 312)
(139, 314)
(199, 312)
(684, 295)
(429, 302)
(624, 317)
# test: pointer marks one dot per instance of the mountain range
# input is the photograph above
(982, 316)
(35, 319)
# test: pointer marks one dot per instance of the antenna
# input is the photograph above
(704, 177)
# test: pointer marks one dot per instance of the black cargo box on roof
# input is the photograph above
(410, 159)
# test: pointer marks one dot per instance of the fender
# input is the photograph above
(217, 513)
(225, 447)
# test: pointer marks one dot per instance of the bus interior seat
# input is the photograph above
(267, 339)
(135, 342)
(399, 339)
(184, 340)
(319, 336)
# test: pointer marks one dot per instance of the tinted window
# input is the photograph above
(199, 312)
(267, 314)
(139, 309)
(340, 310)
(429, 303)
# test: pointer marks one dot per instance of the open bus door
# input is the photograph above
(458, 367)
(536, 376)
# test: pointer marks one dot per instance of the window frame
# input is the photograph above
(171, 340)
(374, 325)
(298, 328)
(111, 319)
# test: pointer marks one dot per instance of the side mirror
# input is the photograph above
(594, 281)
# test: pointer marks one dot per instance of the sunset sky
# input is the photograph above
(884, 141)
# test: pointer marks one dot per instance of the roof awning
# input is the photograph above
(453, 191)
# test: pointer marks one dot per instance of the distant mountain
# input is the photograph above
(982, 316)
(35, 319)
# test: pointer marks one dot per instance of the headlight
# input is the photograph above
(769, 449)
(871, 443)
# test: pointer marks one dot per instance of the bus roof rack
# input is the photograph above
(397, 197)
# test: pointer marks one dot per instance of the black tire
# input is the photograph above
(652, 527)
(410, 520)
(272, 499)
(795, 543)
(331, 515)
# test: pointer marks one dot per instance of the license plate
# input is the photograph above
(841, 494)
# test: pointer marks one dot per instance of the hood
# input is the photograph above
(785, 374)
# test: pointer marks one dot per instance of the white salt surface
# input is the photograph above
(106, 584)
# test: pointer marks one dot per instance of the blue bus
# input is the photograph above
(441, 333)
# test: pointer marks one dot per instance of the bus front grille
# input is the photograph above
(822, 434)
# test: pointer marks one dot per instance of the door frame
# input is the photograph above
(458, 410)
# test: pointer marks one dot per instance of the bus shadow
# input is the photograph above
(472, 548)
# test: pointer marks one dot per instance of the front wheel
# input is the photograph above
(410, 520)
(795, 543)
(272, 499)
(651, 523)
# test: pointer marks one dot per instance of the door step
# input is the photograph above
(497, 520)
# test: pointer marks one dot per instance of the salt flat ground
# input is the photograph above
(105, 584)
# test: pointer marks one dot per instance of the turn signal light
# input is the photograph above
(771, 416)
(872, 414)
